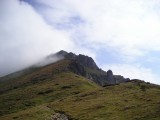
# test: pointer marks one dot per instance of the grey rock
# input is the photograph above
(62, 53)
(86, 61)
(77, 68)
(81, 59)
(59, 116)
(110, 77)
(86, 67)
(120, 79)
(66, 55)
(70, 56)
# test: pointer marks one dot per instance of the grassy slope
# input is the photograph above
(121, 102)
(39, 99)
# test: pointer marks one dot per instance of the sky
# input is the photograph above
(121, 35)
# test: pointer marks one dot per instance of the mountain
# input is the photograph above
(75, 88)
(80, 65)
(86, 67)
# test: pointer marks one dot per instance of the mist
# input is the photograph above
(25, 37)
(48, 60)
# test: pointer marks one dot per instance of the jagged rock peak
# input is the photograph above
(62, 52)
(82, 59)
(85, 66)
(110, 77)
(66, 55)
(109, 72)
(86, 61)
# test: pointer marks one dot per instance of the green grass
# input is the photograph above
(121, 102)
(33, 95)
(28, 98)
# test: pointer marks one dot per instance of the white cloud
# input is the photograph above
(25, 37)
(132, 28)
(133, 71)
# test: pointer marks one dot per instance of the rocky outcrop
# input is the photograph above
(77, 68)
(86, 61)
(86, 67)
(110, 77)
(120, 79)
(81, 59)
(61, 53)
(66, 55)
(99, 79)
(59, 116)
(98, 76)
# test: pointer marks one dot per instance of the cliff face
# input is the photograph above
(81, 59)
(86, 67)
(86, 62)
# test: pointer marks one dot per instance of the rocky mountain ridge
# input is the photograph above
(86, 67)
(79, 64)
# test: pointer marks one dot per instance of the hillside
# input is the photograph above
(68, 89)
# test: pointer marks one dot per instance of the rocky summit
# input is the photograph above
(86, 66)
(82, 59)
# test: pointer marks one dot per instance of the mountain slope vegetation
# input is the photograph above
(42, 92)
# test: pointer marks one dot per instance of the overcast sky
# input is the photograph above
(121, 35)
